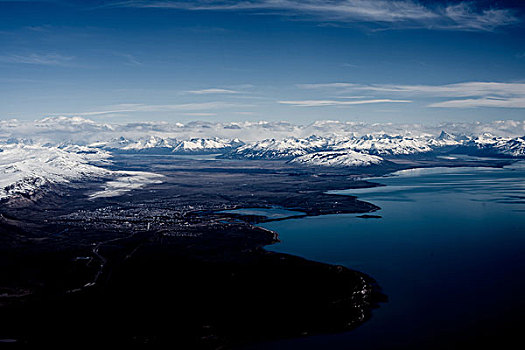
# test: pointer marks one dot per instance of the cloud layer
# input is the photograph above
(80, 130)
(212, 91)
(202, 107)
(406, 13)
(46, 59)
(480, 94)
(324, 103)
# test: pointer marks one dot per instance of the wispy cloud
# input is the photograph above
(91, 113)
(203, 108)
(325, 103)
(180, 107)
(212, 91)
(463, 16)
(480, 94)
(130, 60)
(453, 90)
(327, 85)
(50, 59)
(200, 114)
(511, 102)
(408, 13)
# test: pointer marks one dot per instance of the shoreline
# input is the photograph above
(173, 229)
(460, 247)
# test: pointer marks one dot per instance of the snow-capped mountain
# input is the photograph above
(114, 143)
(346, 158)
(153, 142)
(287, 148)
(81, 130)
(149, 144)
(61, 150)
(165, 145)
(513, 147)
(201, 145)
(27, 169)
(385, 145)
(487, 144)
(380, 145)
(447, 139)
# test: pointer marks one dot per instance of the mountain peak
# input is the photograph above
(445, 136)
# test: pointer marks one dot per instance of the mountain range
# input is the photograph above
(34, 156)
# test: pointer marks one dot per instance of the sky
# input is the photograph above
(400, 61)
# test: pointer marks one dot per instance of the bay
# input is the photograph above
(448, 251)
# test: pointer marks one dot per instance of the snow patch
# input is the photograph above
(125, 182)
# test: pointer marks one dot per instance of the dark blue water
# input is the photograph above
(449, 251)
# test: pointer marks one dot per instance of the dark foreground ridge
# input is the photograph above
(163, 265)
(164, 294)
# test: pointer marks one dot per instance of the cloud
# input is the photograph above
(513, 102)
(181, 106)
(405, 13)
(328, 85)
(452, 90)
(200, 114)
(484, 94)
(130, 60)
(325, 103)
(212, 91)
(92, 113)
(80, 130)
(480, 94)
(463, 16)
(139, 107)
(50, 59)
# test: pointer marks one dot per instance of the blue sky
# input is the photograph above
(351, 60)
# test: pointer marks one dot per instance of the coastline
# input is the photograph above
(175, 240)
(154, 249)
(415, 242)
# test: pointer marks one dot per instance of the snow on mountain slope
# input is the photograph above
(346, 158)
(80, 130)
(125, 181)
(268, 139)
(162, 145)
(152, 142)
(206, 145)
(514, 147)
(446, 139)
(114, 143)
(26, 169)
(385, 145)
(279, 149)
(380, 145)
